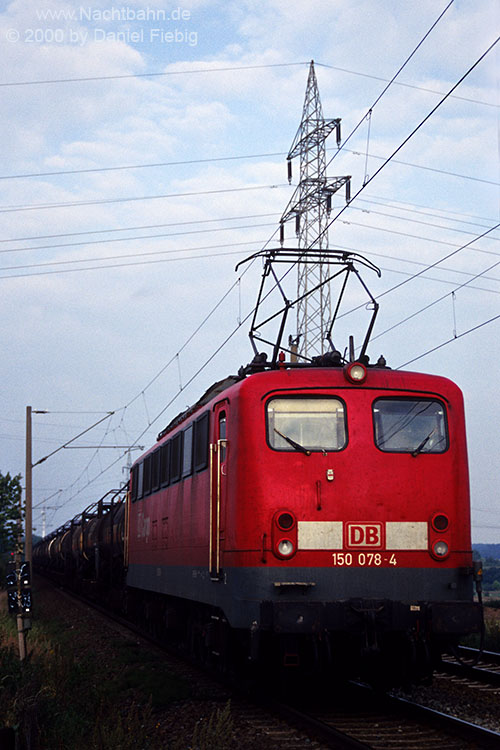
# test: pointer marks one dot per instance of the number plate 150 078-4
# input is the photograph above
(363, 559)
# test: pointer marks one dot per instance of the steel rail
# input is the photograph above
(486, 670)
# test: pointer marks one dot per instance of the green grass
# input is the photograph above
(216, 733)
(141, 671)
(80, 700)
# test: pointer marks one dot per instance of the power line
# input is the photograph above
(416, 221)
(375, 200)
(131, 229)
(414, 131)
(135, 263)
(185, 162)
(388, 202)
(204, 231)
(216, 255)
(241, 67)
(153, 75)
(428, 169)
(407, 85)
(130, 239)
(415, 236)
(101, 201)
(242, 157)
(417, 263)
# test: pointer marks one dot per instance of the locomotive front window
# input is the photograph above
(312, 424)
(410, 426)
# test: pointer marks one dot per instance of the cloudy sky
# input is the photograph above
(143, 152)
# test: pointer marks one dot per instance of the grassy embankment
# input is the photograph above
(75, 691)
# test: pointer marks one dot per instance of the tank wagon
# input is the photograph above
(87, 553)
(305, 516)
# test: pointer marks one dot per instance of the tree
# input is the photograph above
(10, 510)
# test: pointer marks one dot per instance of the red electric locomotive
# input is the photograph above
(310, 515)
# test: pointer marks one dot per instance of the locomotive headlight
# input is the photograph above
(440, 549)
(284, 533)
(355, 372)
(286, 548)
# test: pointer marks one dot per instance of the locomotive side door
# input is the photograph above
(218, 488)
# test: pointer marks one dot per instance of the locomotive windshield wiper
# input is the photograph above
(297, 446)
(422, 445)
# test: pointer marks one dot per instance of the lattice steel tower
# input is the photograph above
(310, 206)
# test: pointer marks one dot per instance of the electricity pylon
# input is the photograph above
(310, 205)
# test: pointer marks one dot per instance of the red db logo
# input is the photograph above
(364, 535)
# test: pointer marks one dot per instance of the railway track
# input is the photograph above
(354, 718)
(474, 666)
(375, 722)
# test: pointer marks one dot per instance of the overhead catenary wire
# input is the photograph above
(481, 274)
(428, 268)
(188, 340)
(142, 392)
(449, 341)
(41, 460)
(163, 410)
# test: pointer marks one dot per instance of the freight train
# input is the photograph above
(308, 516)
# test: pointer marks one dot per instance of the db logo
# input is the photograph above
(364, 535)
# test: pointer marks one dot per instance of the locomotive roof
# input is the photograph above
(390, 378)
(209, 394)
